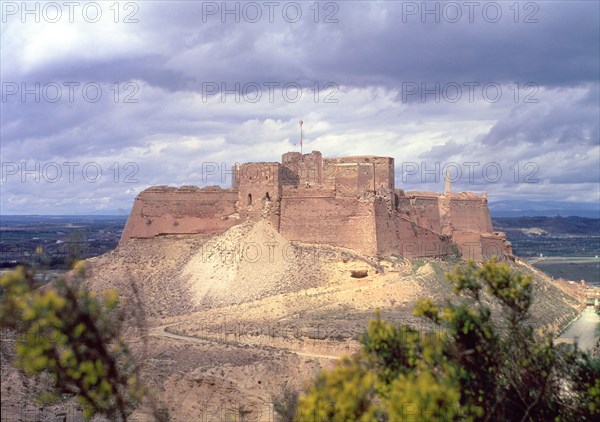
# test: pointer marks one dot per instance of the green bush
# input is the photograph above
(482, 367)
(74, 336)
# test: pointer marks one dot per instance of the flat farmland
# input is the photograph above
(570, 268)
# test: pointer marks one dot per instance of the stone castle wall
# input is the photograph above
(381, 168)
(494, 244)
(302, 170)
(469, 244)
(341, 222)
(401, 236)
(423, 210)
(164, 210)
(259, 191)
(312, 191)
(470, 214)
(349, 202)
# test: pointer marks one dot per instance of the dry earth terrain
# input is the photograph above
(237, 323)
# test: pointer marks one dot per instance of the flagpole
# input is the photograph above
(301, 123)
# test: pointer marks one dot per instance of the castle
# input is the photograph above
(349, 202)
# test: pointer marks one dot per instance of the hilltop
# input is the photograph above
(239, 321)
(229, 331)
(348, 202)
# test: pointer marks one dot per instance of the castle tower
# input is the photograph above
(448, 189)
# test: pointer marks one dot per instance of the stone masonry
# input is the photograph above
(350, 202)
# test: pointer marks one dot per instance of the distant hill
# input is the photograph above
(13, 220)
(550, 225)
(101, 213)
(525, 208)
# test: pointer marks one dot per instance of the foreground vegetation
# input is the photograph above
(476, 367)
(484, 362)
(74, 338)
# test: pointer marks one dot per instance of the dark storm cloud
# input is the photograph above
(370, 54)
(372, 44)
(379, 49)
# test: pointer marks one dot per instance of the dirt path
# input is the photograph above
(160, 332)
(583, 330)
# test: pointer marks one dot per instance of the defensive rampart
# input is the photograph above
(164, 210)
(349, 202)
(341, 222)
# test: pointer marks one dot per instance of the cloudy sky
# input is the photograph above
(101, 100)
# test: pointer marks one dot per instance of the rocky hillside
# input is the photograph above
(176, 275)
(253, 263)
(239, 322)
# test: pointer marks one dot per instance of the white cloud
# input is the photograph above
(369, 56)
